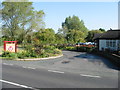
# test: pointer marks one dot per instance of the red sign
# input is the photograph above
(10, 46)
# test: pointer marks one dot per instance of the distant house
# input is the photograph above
(108, 41)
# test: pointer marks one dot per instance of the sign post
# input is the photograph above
(10, 46)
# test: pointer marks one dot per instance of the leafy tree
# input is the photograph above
(103, 30)
(59, 39)
(74, 29)
(45, 36)
(91, 34)
(75, 36)
(20, 19)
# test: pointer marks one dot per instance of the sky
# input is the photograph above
(94, 14)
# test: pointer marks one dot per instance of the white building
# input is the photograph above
(108, 41)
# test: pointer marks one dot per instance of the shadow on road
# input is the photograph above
(97, 60)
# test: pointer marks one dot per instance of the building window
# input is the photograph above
(107, 43)
(114, 43)
(118, 44)
(110, 43)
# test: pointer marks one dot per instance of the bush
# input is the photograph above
(5, 54)
(70, 48)
(13, 55)
(35, 52)
(61, 46)
(85, 49)
(10, 55)
(21, 55)
(57, 51)
(49, 47)
(81, 49)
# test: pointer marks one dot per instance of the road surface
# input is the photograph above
(73, 70)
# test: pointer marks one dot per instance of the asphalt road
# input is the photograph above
(73, 70)
(40, 78)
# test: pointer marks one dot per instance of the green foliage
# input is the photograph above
(85, 49)
(9, 55)
(52, 50)
(13, 55)
(1, 42)
(5, 54)
(61, 46)
(49, 47)
(47, 51)
(70, 48)
(74, 23)
(45, 36)
(60, 39)
(20, 19)
(91, 34)
(74, 29)
(102, 30)
(75, 36)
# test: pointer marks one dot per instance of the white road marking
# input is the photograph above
(8, 64)
(31, 68)
(55, 71)
(5, 63)
(16, 84)
(85, 75)
(28, 67)
(24, 67)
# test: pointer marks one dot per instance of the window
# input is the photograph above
(107, 43)
(114, 43)
(110, 43)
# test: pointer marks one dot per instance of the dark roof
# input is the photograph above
(97, 35)
(110, 34)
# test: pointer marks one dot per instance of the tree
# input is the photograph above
(91, 34)
(75, 36)
(74, 29)
(103, 30)
(45, 36)
(19, 20)
(59, 39)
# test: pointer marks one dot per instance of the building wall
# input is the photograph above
(108, 44)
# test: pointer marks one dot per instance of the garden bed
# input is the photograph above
(47, 51)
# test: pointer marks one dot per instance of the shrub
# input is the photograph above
(13, 55)
(81, 49)
(5, 54)
(85, 49)
(10, 55)
(49, 47)
(70, 48)
(57, 51)
(35, 52)
(21, 55)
